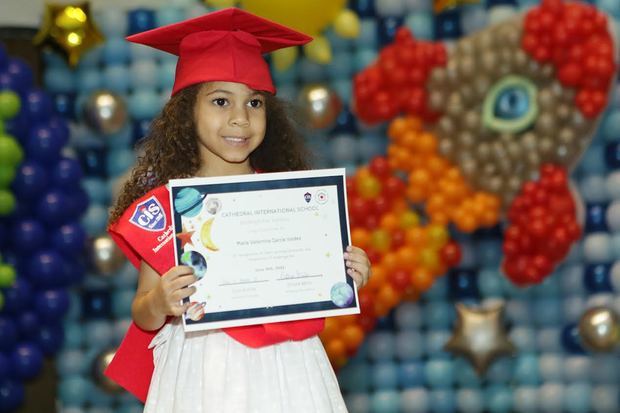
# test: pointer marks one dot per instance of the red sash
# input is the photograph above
(144, 232)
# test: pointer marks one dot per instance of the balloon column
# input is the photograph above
(509, 105)
(11, 153)
(44, 238)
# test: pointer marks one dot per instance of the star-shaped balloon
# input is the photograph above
(480, 336)
(69, 28)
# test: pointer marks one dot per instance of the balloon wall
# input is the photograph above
(461, 314)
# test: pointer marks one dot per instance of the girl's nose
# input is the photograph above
(239, 117)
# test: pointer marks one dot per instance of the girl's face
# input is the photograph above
(230, 121)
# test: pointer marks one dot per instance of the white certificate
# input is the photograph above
(265, 247)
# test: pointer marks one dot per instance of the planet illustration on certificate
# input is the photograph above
(195, 260)
(188, 202)
(213, 205)
(341, 294)
(195, 312)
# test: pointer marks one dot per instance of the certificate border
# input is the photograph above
(259, 182)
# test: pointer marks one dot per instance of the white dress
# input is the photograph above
(209, 372)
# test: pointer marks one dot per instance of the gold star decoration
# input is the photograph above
(480, 336)
(70, 29)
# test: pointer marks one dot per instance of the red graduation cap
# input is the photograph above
(225, 45)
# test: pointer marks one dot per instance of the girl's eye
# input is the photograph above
(256, 103)
(220, 101)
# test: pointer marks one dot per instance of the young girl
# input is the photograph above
(222, 119)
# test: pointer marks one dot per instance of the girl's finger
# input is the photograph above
(358, 266)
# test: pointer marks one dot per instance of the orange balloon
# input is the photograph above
(409, 219)
(368, 186)
(331, 330)
(388, 295)
(436, 165)
(335, 349)
(380, 240)
(426, 143)
(407, 257)
(389, 222)
(389, 263)
(360, 237)
(400, 206)
(429, 258)
(352, 335)
(398, 127)
(422, 279)
(437, 235)
(416, 237)
(436, 203)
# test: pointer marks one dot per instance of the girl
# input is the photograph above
(222, 119)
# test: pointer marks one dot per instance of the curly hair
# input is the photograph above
(170, 149)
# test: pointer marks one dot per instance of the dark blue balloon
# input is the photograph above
(141, 20)
(11, 395)
(94, 161)
(363, 8)
(69, 238)
(46, 269)
(8, 334)
(27, 360)
(51, 338)
(67, 173)
(463, 284)
(44, 145)
(64, 105)
(596, 278)
(97, 304)
(51, 305)
(448, 25)
(77, 202)
(30, 180)
(5, 367)
(387, 28)
(345, 122)
(4, 58)
(29, 234)
(595, 217)
(28, 324)
(612, 155)
(38, 105)
(74, 271)
(21, 73)
(571, 340)
(17, 298)
(60, 127)
(18, 126)
(140, 129)
(52, 208)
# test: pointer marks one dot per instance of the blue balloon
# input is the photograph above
(97, 190)
(463, 284)
(60, 127)
(70, 362)
(168, 14)
(11, 395)
(77, 202)
(51, 338)
(28, 324)
(438, 314)
(99, 334)
(74, 336)
(51, 305)
(571, 340)
(115, 51)
(52, 208)
(140, 129)
(67, 173)
(448, 25)
(44, 145)
(385, 401)
(96, 304)
(27, 361)
(387, 28)
(95, 220)
(74, 390)
(69, 238)
(4, 57)
(612, 155)
(18, 126)
(410, 374)
(143, 104)
(112, 21)
(491, 3)
(93, 161)
(5, 367)
(526, 369)
(421, 25)
(30, 181)
(409, 345)
(119, 161)
(381, 346)
(367, 39)
(385, 375)
(499, 399)
(29, 234)
(345, 122)
(8, 332)
(21, 73)
(64, 105)
(140, 20)
(310, 71)
(363, 8)
(46, 269)
(596, 278)
(121, 303)
(74, 270)
(89, 80)
(143, 75)
(38, 105)
(443, 401)
(17, 298)
(116, 78)
(439, 373)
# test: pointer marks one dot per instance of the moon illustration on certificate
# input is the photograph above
(341, 294)
(205, 235)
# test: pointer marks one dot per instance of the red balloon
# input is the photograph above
(400, 279)
(380, 167)
(450, 254)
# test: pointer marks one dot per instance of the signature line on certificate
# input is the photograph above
(300, 276)
(244, 282)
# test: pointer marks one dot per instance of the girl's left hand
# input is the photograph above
(358, 265)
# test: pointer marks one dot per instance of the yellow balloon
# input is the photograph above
(347, 24)
(283, 58)
(307, 16)
(220, 4)
(319, 50)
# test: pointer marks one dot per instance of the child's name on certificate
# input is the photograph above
(264, 247)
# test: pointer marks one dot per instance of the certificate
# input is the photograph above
(265, 247)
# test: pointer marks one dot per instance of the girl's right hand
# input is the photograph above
(174, 286)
